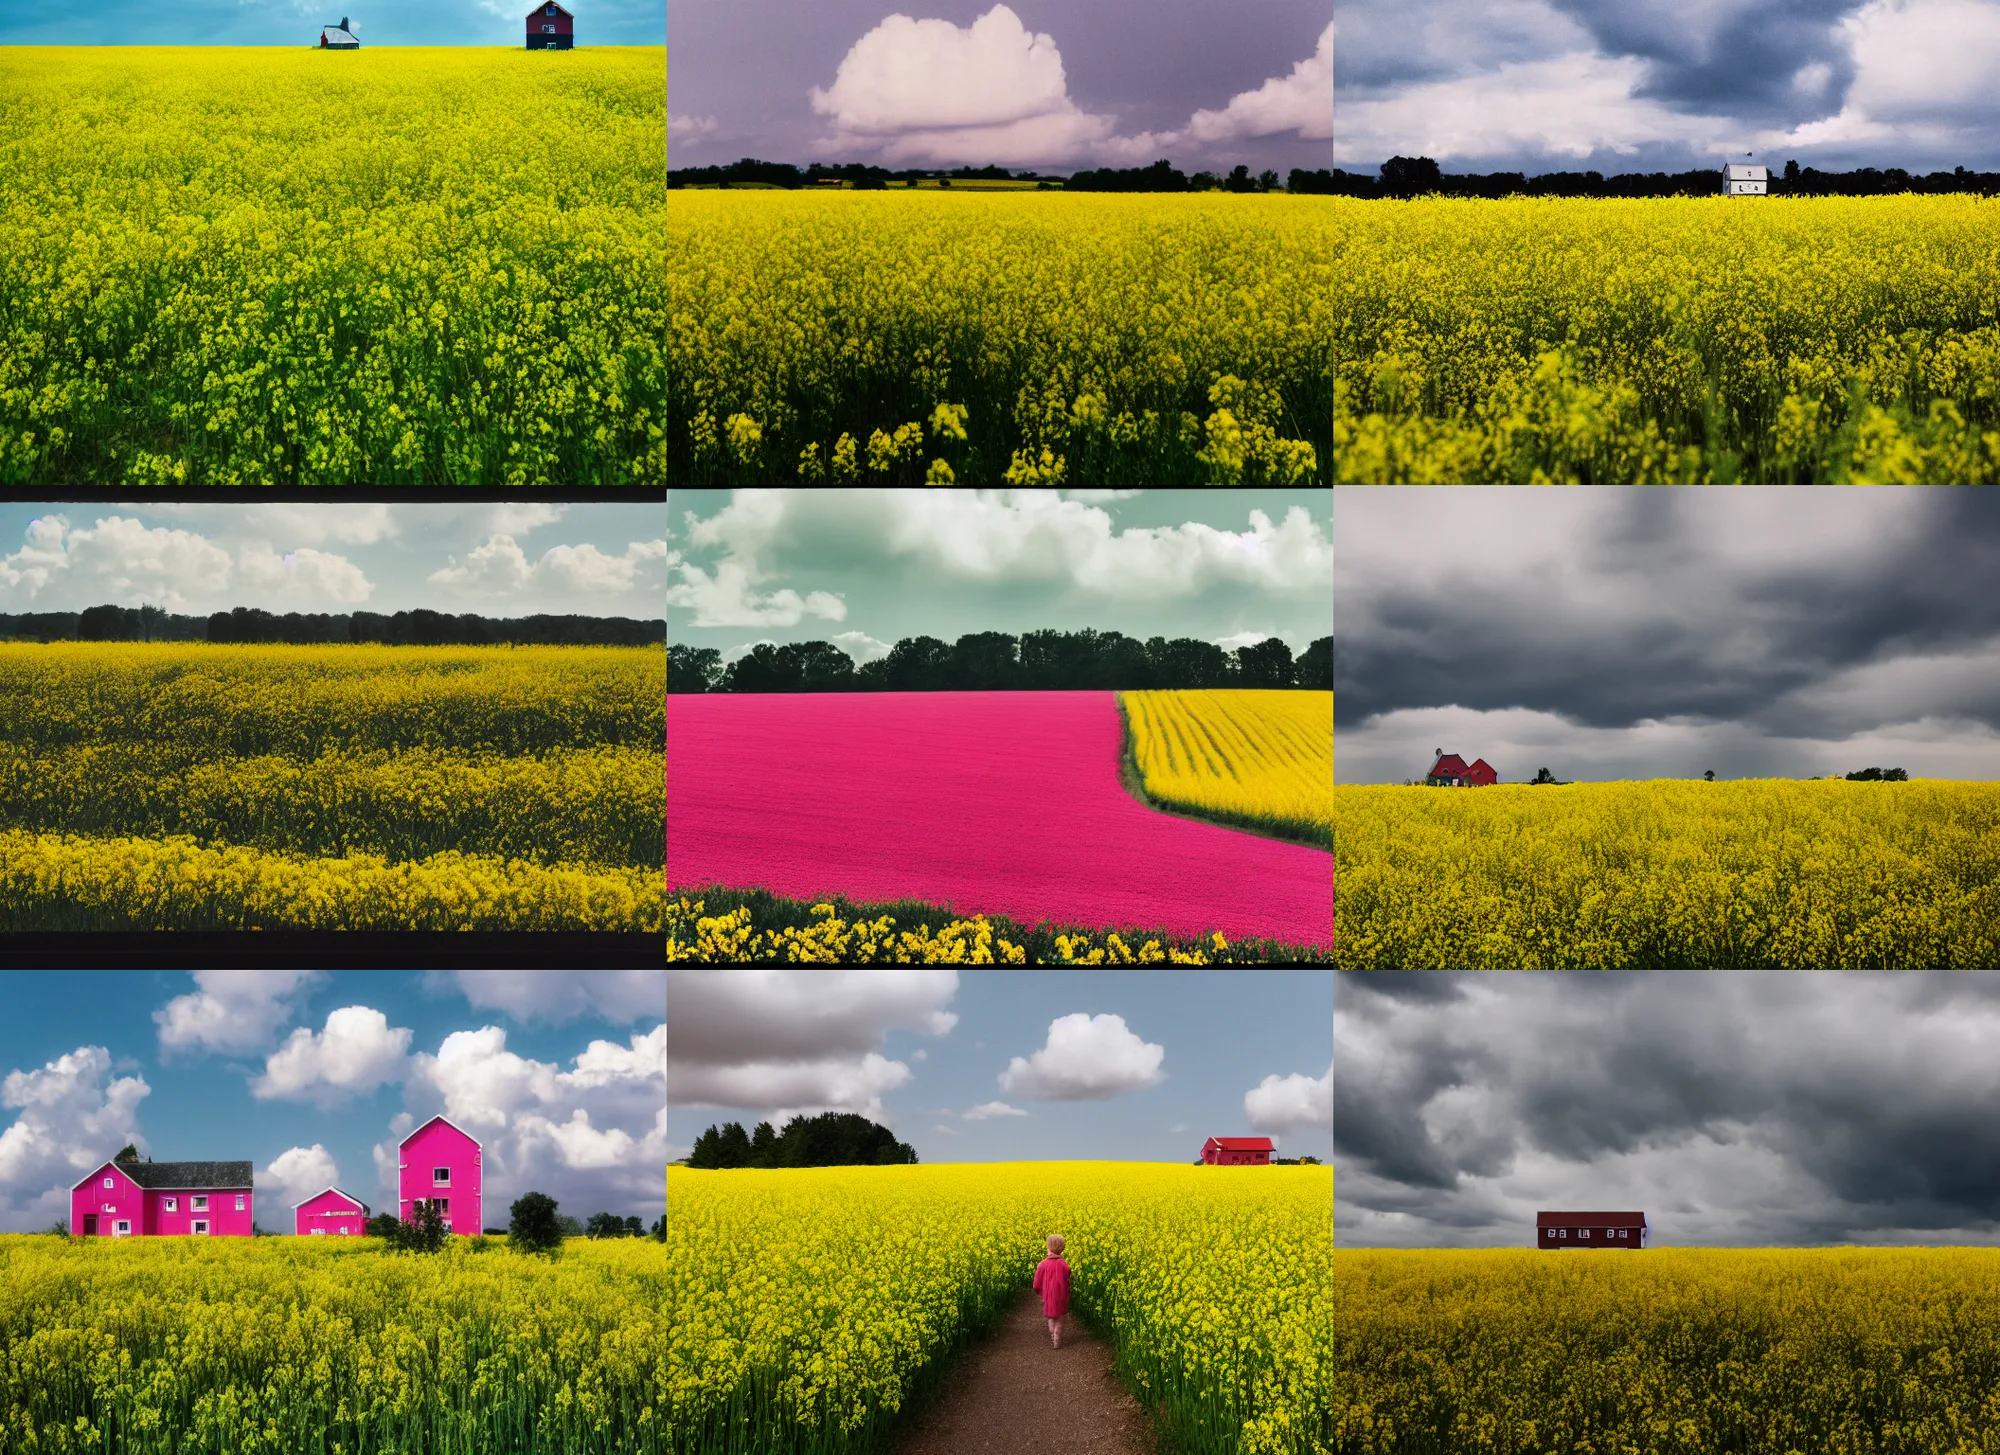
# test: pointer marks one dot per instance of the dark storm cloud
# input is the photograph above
(1769, 616)
(1741, 63)
(1735, 1107)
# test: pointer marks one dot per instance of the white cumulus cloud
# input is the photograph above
(689, 128)
(1087, 1058)
(861, 646)
(1301, 102)
(356, 1052)
(1286, 1103)
(726, 599)
(71, 1120)
(536, 995)
(300, 1172)
(988, 1109)
(499, 567)
(231, 1010)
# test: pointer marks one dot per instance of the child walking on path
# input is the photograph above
(1052, 1283)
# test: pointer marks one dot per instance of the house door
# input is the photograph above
(90, 1225)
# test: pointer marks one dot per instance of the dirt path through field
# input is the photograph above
(1014, 1395)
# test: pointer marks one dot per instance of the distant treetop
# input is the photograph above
(997, 661)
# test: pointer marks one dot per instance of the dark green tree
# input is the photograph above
(1314, 669)
(423, 1232)
(533, 1224)
(102, 624)
(822, 666)
(984, 661)
(1543, 775)
(127, 1153)
(1409, 176)
(605, 1225)
(568, 1226)
(765, 668)
(1239, 179)
(707, 1152)
(763, 1146)
(734, 1149)
(916, 664)
(692, 669)
(839, 1139)
(634, 1228)
(1708, 775)
(384, 1226)
(1264, 664)
(659, 1230)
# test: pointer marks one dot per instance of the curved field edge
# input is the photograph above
(773, 914)
(1290, 831)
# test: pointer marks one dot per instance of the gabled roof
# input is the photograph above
(448, 1122)
(324, 1191)
(179, 1176)
(543, 9)
(1590, 1219)
(1244, 1144)
(1449, 764)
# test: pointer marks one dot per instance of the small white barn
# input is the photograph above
(339, 37)
(1744, 179)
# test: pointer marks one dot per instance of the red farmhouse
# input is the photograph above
(551, 28)
(1451, 771)
(1236, 1152)
(1590, 1230)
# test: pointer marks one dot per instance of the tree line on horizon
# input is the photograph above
(996, 661)
(1161, 176)
(831, 1139)
(1863, 775)
(1407, 177)
(418, 628)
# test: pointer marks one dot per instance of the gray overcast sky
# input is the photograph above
(1733, 1107)
(863, 568)
(1002, 1066)
(1029, 83)
(1645, 85)
(1766, 631)
(494, 558)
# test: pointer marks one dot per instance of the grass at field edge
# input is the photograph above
(770, 912)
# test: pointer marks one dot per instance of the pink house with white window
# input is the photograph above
(333, 1213)
(164, 1199)
(440, 1162)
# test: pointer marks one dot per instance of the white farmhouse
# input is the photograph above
(1743, 179)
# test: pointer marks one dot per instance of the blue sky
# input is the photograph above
(314, 1077)
(297, 22)
(496, 558)
(1657, 85)
(1000, 1066)
(862, 568)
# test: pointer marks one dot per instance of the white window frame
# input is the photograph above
(440, 1177)
(1583, 1233)
(1562, 1232)
(198, 1203)
(110, 1182)
(319, 1232)
(239, 1202)
(173, 1204)
(199, 1227)
(122, 1228)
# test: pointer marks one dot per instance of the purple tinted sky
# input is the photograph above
(741, 75)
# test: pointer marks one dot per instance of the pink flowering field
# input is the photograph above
(989, 802)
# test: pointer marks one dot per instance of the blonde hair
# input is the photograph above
(1055, 1242)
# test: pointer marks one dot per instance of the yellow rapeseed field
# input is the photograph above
(1005, 338)
(1617, 341)
(1259, 759)
(808, 1307)
(733, 938)
(1667, 1351)
(1676, 874)
(281, 1346)
(194, 785)
(412, 266)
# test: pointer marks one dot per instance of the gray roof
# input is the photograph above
(195, 1175)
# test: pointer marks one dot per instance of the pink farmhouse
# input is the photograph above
(163, 1199)
(332, 1212)
(440, 1161)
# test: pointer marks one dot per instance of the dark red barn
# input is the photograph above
(1452, 771)
(551, 28)
(1590, 1230)
(1237, 1152)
